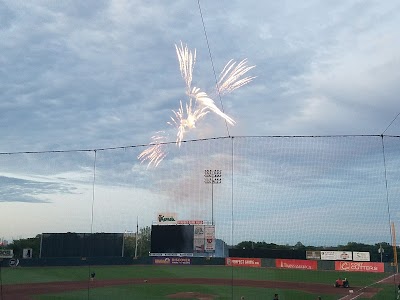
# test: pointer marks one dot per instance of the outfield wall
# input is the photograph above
(345, 266)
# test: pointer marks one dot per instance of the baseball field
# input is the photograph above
(189, 282)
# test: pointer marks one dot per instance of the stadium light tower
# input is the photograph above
(212, 177)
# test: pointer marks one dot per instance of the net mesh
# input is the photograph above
(311, 191)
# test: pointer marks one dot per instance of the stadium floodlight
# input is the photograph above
(212, 177)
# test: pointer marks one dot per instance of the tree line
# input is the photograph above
(382, 251)
(143, 247)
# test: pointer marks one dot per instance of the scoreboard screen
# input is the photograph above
(172, 238)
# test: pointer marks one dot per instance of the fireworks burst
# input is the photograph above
(186, 121)
(199, 103)
(155, 152)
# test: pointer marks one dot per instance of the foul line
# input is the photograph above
(367, 286)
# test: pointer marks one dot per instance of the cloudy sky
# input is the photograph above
(98, 74)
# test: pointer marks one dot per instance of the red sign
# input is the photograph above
(296, 264)
(190, 222)
(243, 262)
(352, 266)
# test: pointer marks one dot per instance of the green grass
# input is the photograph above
(54, 274)
(161, 291)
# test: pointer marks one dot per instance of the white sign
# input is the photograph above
(171, 254)
(361, 256)
(27, 253)
(344, 255)
(327, 255)
(6, 253)
(198, 245)
(210, 245)
(166, 218)
(199, 232)
(209, 232)
(336, 255)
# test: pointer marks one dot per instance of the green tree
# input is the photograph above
(18, 245)
(143, 243)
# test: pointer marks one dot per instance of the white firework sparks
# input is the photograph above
(230, 77)
(199, 103)
(187, 60)
(186, 120)
(155, 153)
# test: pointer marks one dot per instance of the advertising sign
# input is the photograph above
(6, 253)
(210, 245)
(328, 255)
(209, 236)
(361, 256)
(199, 232)
(352, 266)
(171, 254)
(190, 222)
(161, 261)
(336, 255)
(313, 255)
(344, 255)
(181, 261)
(166, 218)
(243, 262)
(199, 245)
(172, 261)
(13, 262)
(209, 232)
(27, 253)
(296, 264)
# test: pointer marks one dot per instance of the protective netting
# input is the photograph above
(320, 191)
(317, 190)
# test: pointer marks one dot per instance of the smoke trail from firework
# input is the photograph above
(199, 103)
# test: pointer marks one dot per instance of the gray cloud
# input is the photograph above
(93, 74)
(22, 190)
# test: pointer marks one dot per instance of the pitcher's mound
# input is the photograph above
(191, 295)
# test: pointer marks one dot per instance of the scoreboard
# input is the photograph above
(182, 239)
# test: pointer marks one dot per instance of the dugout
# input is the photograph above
(73, 244)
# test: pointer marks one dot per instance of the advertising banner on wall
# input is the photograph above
(199, 245)
(209, 232)
(6, 253)
(243, 262)
(27, 253)
(328, 255)
(209, 236)
(199, 231)
(199, 241)
(296, 264)
(190, 222)
(361, 256)
(166, 218)
(170, 254)
(172, 261)
(209, 245)
(313, 255)
(336, 255)
(352, 266)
